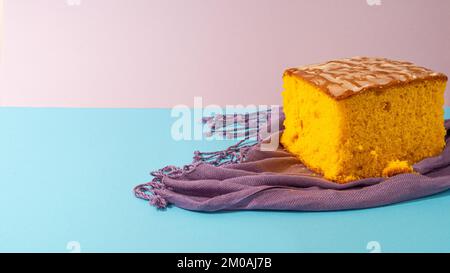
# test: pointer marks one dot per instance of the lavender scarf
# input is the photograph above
(243, 177)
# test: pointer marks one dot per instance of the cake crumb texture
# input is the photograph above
(379, 132)
(397, 167)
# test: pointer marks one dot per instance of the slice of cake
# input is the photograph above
(363, 117)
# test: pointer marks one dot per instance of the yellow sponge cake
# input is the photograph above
(363, 117)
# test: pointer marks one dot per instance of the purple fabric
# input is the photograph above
(275, 180)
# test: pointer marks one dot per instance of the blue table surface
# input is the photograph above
(66, 177)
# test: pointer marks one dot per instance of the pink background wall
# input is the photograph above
(158, 53)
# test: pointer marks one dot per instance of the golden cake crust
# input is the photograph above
(346, 77)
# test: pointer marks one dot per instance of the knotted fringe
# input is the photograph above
(236, 126)
(228, 126)
(232, 155)
(148, 191)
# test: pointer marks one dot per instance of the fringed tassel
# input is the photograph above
(148, 191)
(247, 126)
(236, 126)
(233, 154)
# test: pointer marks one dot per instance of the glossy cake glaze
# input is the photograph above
(345, 77)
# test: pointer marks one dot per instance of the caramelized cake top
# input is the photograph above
(345, 77)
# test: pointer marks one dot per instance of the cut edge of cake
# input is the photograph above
(391, 167)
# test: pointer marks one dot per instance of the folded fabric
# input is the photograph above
(244, 177)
